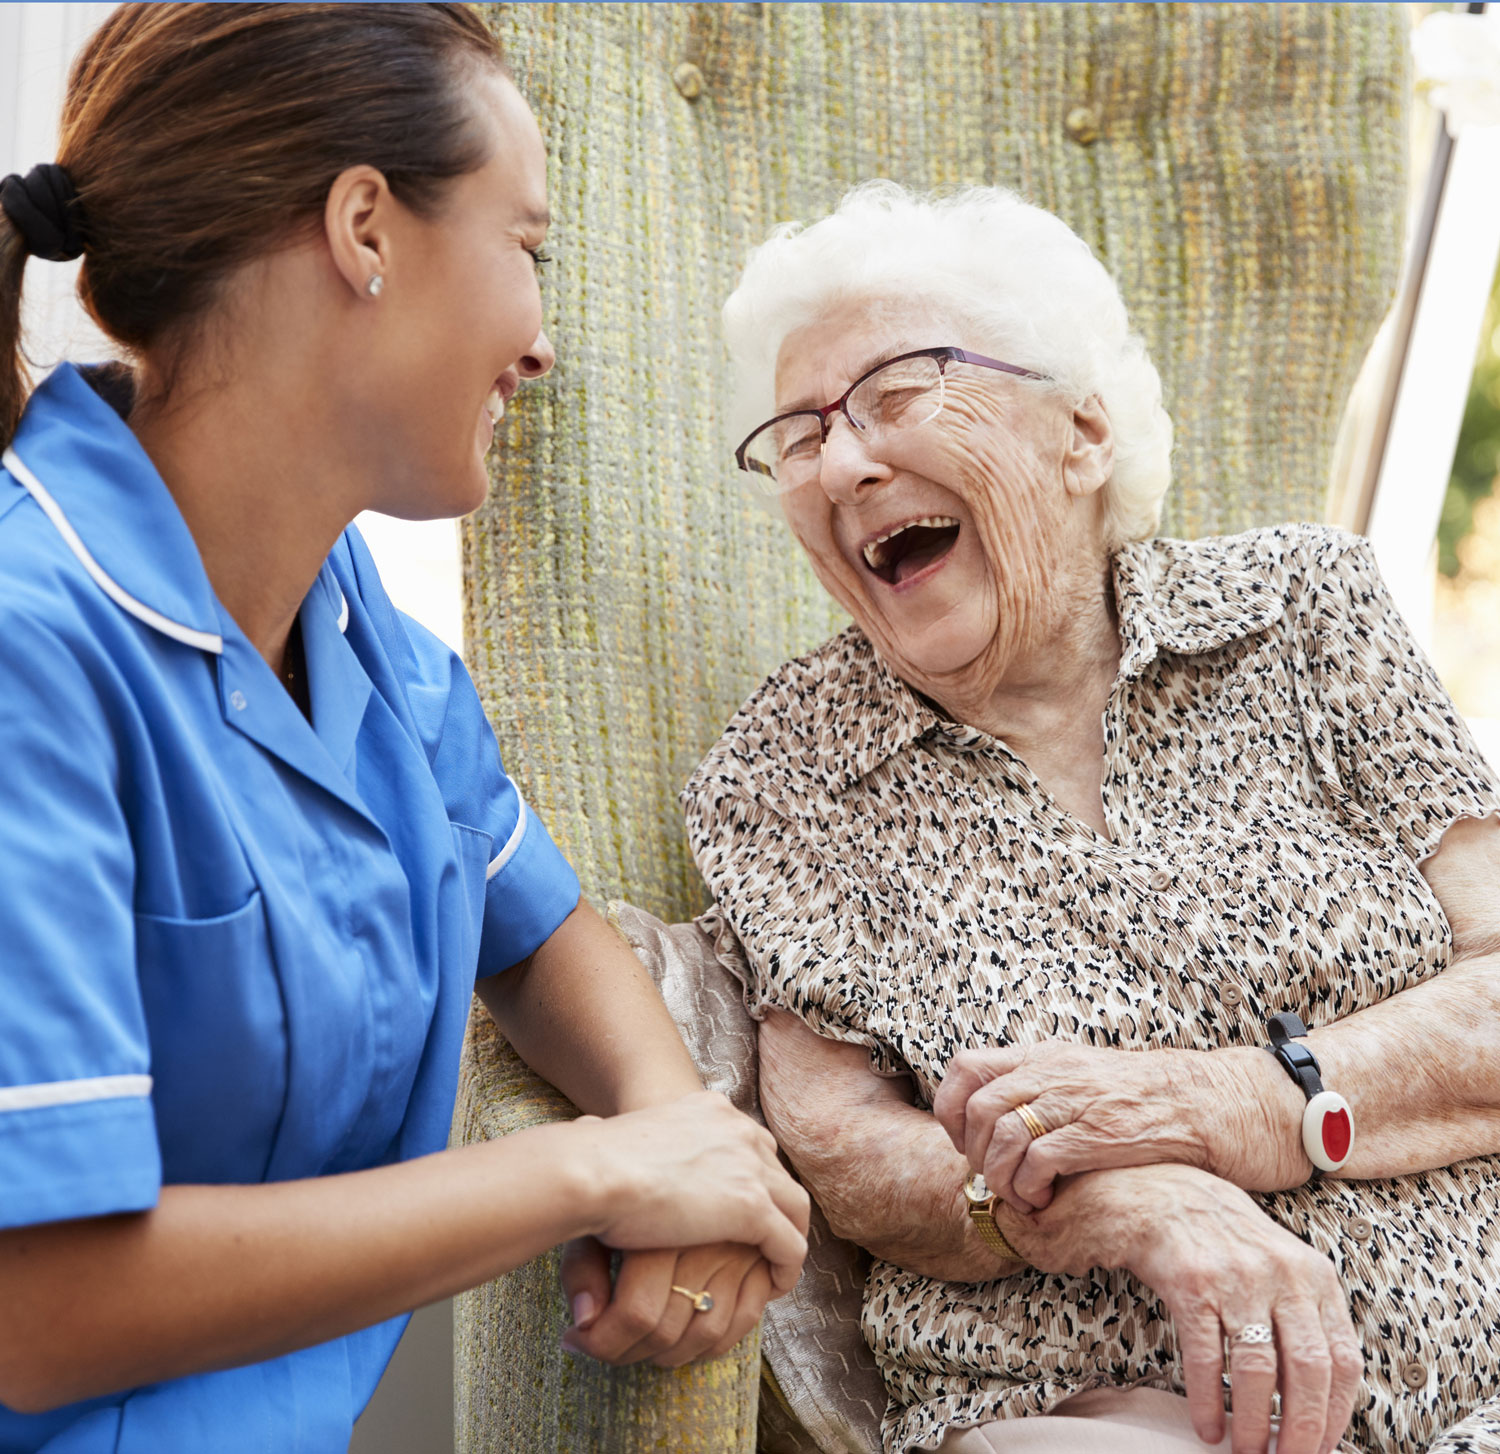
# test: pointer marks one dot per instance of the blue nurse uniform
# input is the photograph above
(235, 946)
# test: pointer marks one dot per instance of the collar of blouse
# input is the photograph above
(1185, 597)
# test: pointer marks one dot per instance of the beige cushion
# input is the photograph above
(825, 1375)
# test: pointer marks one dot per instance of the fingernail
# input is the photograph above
(568, 1343)
(584, 1310)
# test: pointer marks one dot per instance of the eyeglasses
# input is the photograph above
(786, 452)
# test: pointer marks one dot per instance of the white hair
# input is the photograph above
(1034, 290)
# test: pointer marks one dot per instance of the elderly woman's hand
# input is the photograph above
(1231, 1112)
(1223, 1267)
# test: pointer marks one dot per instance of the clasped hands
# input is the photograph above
(681, 1171)
(1179, 1134)
(1103, 1108)
(636, 1315)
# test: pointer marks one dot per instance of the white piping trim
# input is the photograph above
(74, 1092)
(203, 640)
(511, 844)
(343, 609)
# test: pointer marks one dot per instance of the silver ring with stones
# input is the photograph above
(1252, 1333)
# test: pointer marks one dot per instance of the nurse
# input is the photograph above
(256, 844)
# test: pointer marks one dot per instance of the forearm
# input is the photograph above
(889, 1180)
(220, 1276)
(583, 1013)
(886, 1182)
(1421, 1072)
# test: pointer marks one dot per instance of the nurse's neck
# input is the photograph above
(260, 452)
(262, 530)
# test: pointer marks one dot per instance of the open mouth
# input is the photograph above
(494, 406)
(499, 396)
(912, 548)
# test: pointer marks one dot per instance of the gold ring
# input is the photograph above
(1034, 1122)
(702, 1302)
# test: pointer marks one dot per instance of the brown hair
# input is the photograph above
(199, 136)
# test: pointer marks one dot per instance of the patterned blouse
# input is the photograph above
(1279, 759)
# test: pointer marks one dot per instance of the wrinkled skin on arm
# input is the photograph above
(1421, 1071)
(889, 1179)
(868, 1155)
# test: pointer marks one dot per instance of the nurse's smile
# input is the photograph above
(494, 405)
(258, 852)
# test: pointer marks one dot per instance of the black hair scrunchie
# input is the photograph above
(43, 208)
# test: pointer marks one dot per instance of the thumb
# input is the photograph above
(585, 1279)
(951, 1104)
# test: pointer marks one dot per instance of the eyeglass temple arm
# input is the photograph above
(964, 356)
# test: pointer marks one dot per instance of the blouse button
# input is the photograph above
(1160, 880)
(1414, 1375)
(1360, 1229)
(1231, 997)
(237, 701)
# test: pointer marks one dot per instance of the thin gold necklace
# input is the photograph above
(294, 668)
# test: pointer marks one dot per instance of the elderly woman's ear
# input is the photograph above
(1090, 459)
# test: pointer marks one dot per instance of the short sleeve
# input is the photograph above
(530, 888)
(77, 1131)
(793, 910)
(1401, 749)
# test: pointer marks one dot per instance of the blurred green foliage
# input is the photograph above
(1476, 461)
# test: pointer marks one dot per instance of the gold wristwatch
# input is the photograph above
(981, 1202)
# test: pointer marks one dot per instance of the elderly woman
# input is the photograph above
(1045, 839)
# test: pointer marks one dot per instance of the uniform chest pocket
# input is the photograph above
(217, 1027)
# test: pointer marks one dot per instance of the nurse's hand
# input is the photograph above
(688, 1172)
(641, 1317)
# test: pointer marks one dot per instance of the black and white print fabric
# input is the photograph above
(1279, 759)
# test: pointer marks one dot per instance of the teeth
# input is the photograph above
(875, 556)
(494, 406)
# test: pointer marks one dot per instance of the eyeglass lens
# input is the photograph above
(905, 393)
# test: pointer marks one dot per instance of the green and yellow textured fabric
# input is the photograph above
(1241, 170)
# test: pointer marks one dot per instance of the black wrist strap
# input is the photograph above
(1286, 1030)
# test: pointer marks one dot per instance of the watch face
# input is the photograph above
(976, 1191)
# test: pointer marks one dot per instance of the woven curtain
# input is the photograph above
(1239, 168)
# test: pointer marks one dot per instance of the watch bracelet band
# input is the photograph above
(980, 1201)
(983, 1218)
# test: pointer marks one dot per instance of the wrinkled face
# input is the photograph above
(463, 317)
(944, 542)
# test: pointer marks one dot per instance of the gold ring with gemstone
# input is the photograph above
(1034, 1122)
(702, 1302)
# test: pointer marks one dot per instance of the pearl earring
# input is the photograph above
(374, 286)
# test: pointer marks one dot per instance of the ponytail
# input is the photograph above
(40, 216)
(15, 380)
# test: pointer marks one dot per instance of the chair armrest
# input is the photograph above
(514, 1386)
